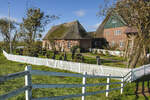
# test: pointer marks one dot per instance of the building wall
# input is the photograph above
(116, 37)
(61, 45)
(87, 43)
(65, 45)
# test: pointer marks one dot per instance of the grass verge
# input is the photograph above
(7, 67)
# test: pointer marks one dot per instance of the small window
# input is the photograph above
(114, 21)
(107, 33)
(69, 44)
(48, 46)
(113, 43)
(117, 32)
(121, 44)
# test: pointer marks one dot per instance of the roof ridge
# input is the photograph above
(70, 30)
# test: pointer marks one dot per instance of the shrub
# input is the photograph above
(33, 49)
(78, 57)
(107, 53)
(74, 48)
(47, 54)
(44, 52)
(95, 51)
(73, 51)
(19, 51)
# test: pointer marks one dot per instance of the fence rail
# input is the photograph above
(91, 69)
(29, 86)
(114, 53)
(140, 72)
(130, 76)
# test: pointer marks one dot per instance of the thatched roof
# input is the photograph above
(71, 30)
(91, 34)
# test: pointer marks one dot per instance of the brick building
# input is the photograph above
(114, 30)
(67, 35)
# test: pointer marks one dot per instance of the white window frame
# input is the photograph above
(107, 32)
(113, 43)
(118, 32)
(69, 44)
(121, 44)
(114, 21)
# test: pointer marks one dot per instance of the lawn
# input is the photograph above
(90, 58)
(7, 67)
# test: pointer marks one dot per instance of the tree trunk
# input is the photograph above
(135, 59)
(135, 53)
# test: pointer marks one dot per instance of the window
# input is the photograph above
(117, 32)
(113, 43)
(69, 44)
(107, 33)
(114, 21)
(48, 46)
(121, 44)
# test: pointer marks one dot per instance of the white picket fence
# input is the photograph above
(130, 76)
(114, 53)
(91, 69)
(140, 72)
(29, 85)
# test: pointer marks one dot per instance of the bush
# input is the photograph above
(47, 54)
(107, 53)
(44, 52)
(73, 51)
(101, 53)
(33, 49)
(74, 48)
(78, 57)
(95, 52)
(19, 51)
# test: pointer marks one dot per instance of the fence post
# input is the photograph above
(84, 82)
(28, 82)
(79, 68)
(131, 76)
(122, 85)
(144, 70)
(107, 86)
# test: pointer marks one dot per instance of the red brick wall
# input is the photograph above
(61, 44)
(64, 45)
(111, 37)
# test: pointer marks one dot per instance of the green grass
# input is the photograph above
(7, 67)
(90, 58)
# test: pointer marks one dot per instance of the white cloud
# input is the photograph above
(80, 13)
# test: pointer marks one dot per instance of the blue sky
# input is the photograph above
(69, 10)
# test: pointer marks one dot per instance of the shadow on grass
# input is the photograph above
(142, 91)
(142, 87)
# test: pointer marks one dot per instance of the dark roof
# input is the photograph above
(71, 30)
(130, 30)
(100, 30)
(91, 34)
